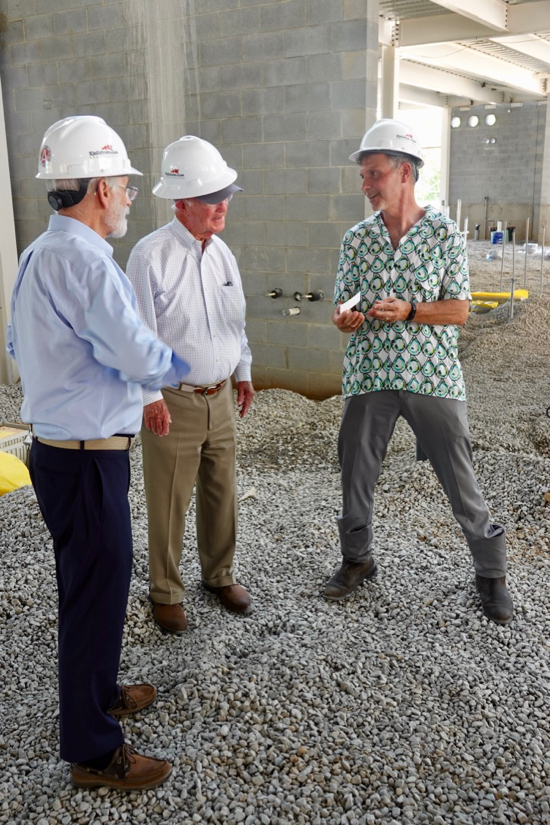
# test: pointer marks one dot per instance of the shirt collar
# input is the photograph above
(61, 223)
(187, 239)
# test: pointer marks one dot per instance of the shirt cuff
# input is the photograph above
(149, 397)
(243, 373)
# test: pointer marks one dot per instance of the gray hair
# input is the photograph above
(74, 184)
(396, 159)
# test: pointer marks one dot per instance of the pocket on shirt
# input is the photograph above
(232, 304)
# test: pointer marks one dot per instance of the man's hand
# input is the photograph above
(347, 321)
(157, 418)
(390, 310)
(245, 394)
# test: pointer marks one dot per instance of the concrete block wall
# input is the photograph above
(511, 171)
(284, 88)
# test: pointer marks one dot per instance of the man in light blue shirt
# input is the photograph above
(84, 356)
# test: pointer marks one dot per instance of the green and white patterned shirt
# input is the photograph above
(430, 264)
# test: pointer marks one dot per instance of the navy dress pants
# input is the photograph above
(83, 496)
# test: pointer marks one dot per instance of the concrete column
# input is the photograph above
(8, 250)
(445, 156)
(541, 211)
(389, 84)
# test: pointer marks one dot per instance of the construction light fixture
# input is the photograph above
(473, 120)
(455, 122)
(490, 120)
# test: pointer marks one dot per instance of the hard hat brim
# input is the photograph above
(220, 195)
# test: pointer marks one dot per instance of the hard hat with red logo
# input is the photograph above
(390, 137)
(82, 146)
(193, 168)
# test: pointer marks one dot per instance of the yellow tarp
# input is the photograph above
(13, 473)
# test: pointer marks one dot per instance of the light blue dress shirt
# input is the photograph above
(81, 348)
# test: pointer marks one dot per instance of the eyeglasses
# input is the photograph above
(131, 191)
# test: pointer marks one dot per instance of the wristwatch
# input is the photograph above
(412, 313)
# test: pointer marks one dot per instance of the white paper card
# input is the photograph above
(351, 303)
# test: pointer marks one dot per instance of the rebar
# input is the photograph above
(526, 247)
(502, 262)
(542, 261)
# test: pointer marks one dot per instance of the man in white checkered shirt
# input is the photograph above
(189, 292)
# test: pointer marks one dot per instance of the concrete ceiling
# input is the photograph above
(461, 52)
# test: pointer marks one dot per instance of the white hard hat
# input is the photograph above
(390, 137)
(82, 147)
(192, 167)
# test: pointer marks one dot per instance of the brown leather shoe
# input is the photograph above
(495, 599)
(170, 617)
(133, 698)
(233, 596)
(348, 577)
(128, 771)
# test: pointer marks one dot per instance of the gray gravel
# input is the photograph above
(402, 704)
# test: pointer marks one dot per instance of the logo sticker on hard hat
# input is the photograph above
(175, 173)
(105, 150)
(45, 155)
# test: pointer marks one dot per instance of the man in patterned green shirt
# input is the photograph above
(406, 267)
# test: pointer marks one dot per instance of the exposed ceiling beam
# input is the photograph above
(426, 77)
(524, 18)
(492, 13)
(488, 68)
(424, 97)
(528, 44)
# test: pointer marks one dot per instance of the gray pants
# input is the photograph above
(441, 427)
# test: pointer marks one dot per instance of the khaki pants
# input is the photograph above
(200, 448)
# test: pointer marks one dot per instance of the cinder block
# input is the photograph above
(23, 54)
(109, 65)
(323, 11)
(15, 78)
(240, 21)
(20, 123)
(285, 127)
(324, 125)
(306, 359)
(284, 181)
(92, 91)
(307, 207)
(322, 386)
(286, 14)
(323, 180)
(256, 331)
(269, 354)
(307, 97)
(285, 72)
(208, 77)
(110, 16)
(242, 130)
(127, 88)
(56, 48)
(353, 122)
(348, 94)
(218, 5)
(263, 156)
(70, 22)
(39, 27)
(287, 333)
(73, 71)
(340, 150)
(354, 65)
(265, 259)
(302, 154)
(243, 232)
(206, 27)
(347, 207)
(221, 52)
(324, 67)
(348, 36)
(286, 233)
(242, 76)
(14, 32)
(91, 43)
(323, 336)
(327, 234)
(287, 380)
(210, 130)
(254, 283)
(220, 104)
(263, 47)
(308, 260)
(260, 208)
(263, 101)
(356, 9)
(309, 40)
(30, 99)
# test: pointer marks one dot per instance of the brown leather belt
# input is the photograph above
(115, 442)
(212, 389)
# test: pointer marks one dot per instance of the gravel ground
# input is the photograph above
(401, 704)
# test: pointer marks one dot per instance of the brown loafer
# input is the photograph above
(170, 617)
(133, 698)
(348, 577)
(128, 771)
(234, 597)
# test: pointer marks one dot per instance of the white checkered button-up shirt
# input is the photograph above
(193, 301)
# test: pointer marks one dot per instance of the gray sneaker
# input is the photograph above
(348, 577)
